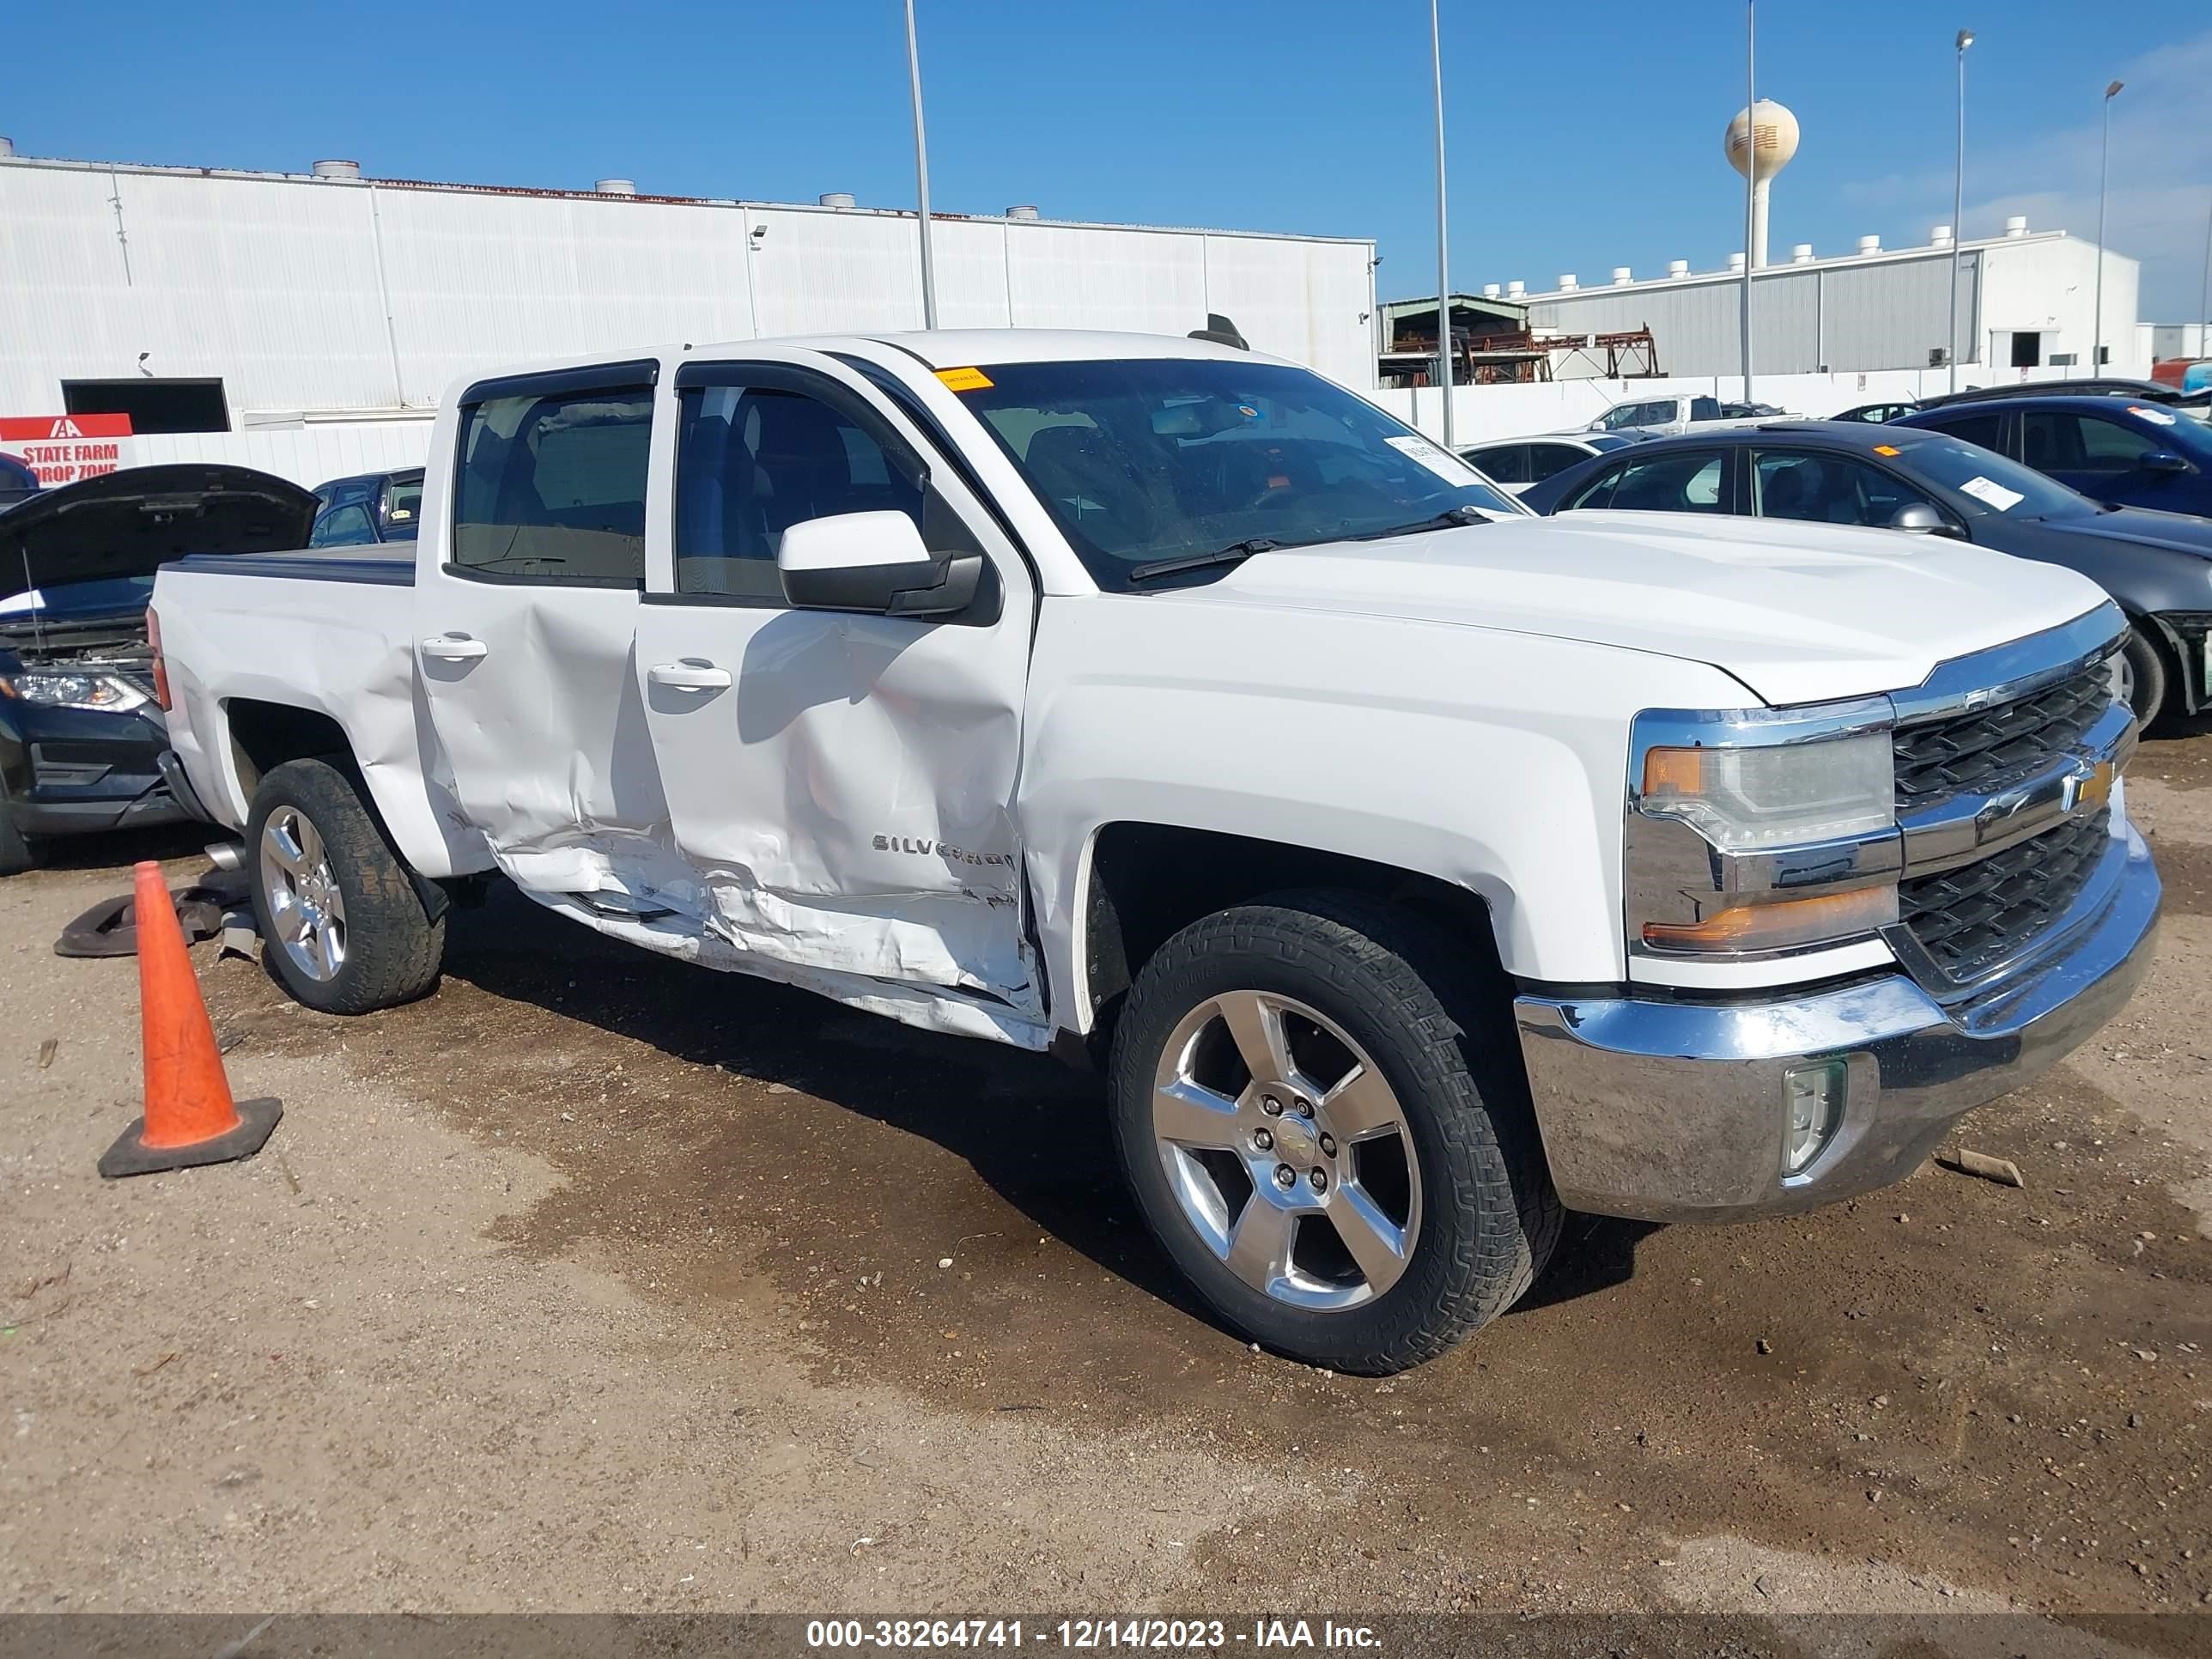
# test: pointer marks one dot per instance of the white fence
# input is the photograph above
(1482, 414)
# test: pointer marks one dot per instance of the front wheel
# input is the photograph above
(2143, 676)
(1323, 1117)
(343, 928)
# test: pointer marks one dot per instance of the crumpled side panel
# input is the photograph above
(944, 1011)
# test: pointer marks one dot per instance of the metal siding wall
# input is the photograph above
(1061, 277)
(1887, 316)
(1297, 300)
(273, 283)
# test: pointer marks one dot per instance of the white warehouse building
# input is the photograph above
(2025, 300)
(230, 301)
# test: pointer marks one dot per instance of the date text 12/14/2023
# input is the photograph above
(1165, 1635)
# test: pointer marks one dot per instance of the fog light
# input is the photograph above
(1812, 1109)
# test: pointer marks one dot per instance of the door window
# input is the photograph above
(551, 487)
(1685, 482)
(342, 526)
(1987, 430)
(1505, 463)
(752, 461)
(1545, 459)
(403, 509)
(2060, 442)
(1825, 489)
(1705, 408)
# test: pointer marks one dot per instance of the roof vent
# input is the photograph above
(1567, 283)
(836, 198)
(1022, 211)
(1516, 290)
(1869, 244)
(6, 146)
(337, 169)
(1622, 275)
(1940, 236)
(2017, 225)
(1735, 262)
(1678, 267)
(615, 187)
(1801, 254)
(1490, 290)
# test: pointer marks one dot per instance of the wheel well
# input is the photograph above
(264, 735)
(1149, 881)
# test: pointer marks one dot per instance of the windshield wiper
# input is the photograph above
(1235, 553)
(1450, 518)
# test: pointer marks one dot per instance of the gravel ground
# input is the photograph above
(596, 1282)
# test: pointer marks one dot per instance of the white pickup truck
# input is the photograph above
(1414, 867)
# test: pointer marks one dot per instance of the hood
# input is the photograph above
(127, 524)
(1798, 612)
(2176, 533)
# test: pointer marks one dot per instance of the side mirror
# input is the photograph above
(875, 563)
(2164, 460)
(1918, 517)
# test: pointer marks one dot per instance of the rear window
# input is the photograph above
(551, 487)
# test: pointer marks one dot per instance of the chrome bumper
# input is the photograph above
(1673, 1111)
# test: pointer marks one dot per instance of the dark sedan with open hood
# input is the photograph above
(81, 739)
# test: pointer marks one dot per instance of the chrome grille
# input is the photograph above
(1971, 919)
(1992, 749)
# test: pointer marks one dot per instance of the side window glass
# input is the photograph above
(2108, 447)
(1545, 459)
(1984, 429)
(751, 462)
(551, 487)
(1598, 492)
(342, 526)
(1826, 489)
(402, 510)
(1501, 463)
(1705, 408)
(1680, 482)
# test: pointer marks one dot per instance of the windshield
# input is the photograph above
(1989, 483)
(1171, 458)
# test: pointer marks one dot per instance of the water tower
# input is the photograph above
(1775, 142)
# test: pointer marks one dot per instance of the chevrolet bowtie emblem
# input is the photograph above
(2088, 788)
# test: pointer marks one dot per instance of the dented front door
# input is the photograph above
(839, 786)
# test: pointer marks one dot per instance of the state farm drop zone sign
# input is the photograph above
(62, 448)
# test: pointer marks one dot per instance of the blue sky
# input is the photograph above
(1583, 135)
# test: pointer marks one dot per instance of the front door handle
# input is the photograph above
(454, 648)
(690, 676)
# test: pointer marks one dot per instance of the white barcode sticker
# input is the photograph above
(1442, 462)
(1994, 494)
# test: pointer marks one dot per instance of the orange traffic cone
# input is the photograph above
(190, 1117)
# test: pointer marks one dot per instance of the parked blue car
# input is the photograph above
(2113, 450)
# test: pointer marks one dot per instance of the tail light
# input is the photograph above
(160, 668)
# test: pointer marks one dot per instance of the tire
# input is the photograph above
(377, 945)
(1463, 1179)
(18, 852)
(2149, 675)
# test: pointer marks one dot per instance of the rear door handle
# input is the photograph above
(454, 648)
(690, 676)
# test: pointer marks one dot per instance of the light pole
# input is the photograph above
(1444, 245)
(1750, 172)
(1958, 205)
(2103, 167)
(920, 174)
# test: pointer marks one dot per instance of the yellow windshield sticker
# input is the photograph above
(1887, 449)
(964, 379)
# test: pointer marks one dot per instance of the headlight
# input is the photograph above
(1769, 837)
(1742, 800)
(59, 690)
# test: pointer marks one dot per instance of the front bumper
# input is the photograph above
(68, 771)
(1672, 1110)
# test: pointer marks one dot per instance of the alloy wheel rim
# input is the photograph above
(1287, 1151)
(306, 911)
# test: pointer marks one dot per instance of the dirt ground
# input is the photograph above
(595, 1282)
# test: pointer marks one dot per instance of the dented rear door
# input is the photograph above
(840, 786)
